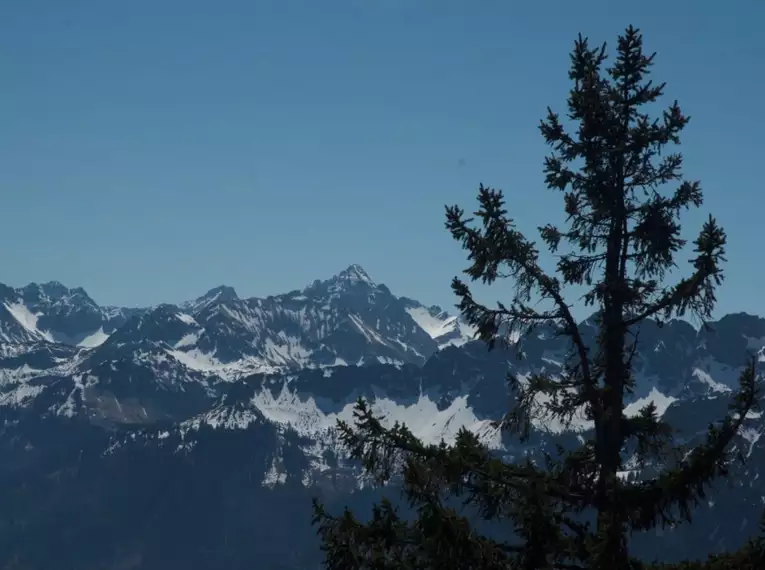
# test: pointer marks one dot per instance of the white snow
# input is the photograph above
(288, 351)
(274, 475)
(207, 363)
(17, 375)
(69, 408)
(188, 319)
(355, 274)
(223, 417)
(434, 326)
(422, 417)
(752, 436)
(579, 423)
(20, 395)
(442, 325)
(196, 359)
(371, 335)
(94, 339)
(27, 319)
(715, 370)
(661, 401)
(430, 424)
(187, 340)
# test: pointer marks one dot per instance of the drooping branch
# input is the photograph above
(750, 557)
(440, 538)
(695, 293)
(682, 488)
(500, 243)
(466, 465)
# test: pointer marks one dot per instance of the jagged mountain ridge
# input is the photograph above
(182, 385)
(54, 313)
(51, 334)
(271, 434)
(348, 303)
(184, 351)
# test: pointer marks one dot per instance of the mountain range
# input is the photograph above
(193, 435)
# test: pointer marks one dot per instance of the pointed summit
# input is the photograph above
(352, 278)
(220, 294)
(354, 273)
(52, 289)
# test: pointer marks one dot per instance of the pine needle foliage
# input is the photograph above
(623, 192)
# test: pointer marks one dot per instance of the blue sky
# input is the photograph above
(150, 150)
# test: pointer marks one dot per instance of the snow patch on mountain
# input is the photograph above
(18, 375)
(287, 351)
(705, 376)
(435, 325)
(276, 475)
(223, 417)
(369, 333)
(206, 362)
(752, 436)
(188, 319)
(660, 400)
(76, 395)
(94, 339)
(189, 339)
(356, 274)
(21, 395)
(422, 416)
(28, 320)
(430, 424)
(445, 329)
(353, 277)
(220, 294)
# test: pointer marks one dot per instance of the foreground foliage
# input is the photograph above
(620, 241)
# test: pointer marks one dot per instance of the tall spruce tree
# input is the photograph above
(621, 238)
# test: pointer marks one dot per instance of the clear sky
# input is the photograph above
(152, 149)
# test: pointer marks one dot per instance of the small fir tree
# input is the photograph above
(621, 238)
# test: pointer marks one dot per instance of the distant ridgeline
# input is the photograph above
(194, 436)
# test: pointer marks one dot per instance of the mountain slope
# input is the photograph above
(223, 408)
(54, 313)
(136, 357)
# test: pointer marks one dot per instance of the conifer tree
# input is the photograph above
(623, 193)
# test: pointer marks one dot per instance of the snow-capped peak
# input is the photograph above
(355, 273)
(351, 279)
(220, 294)
(442, 327)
